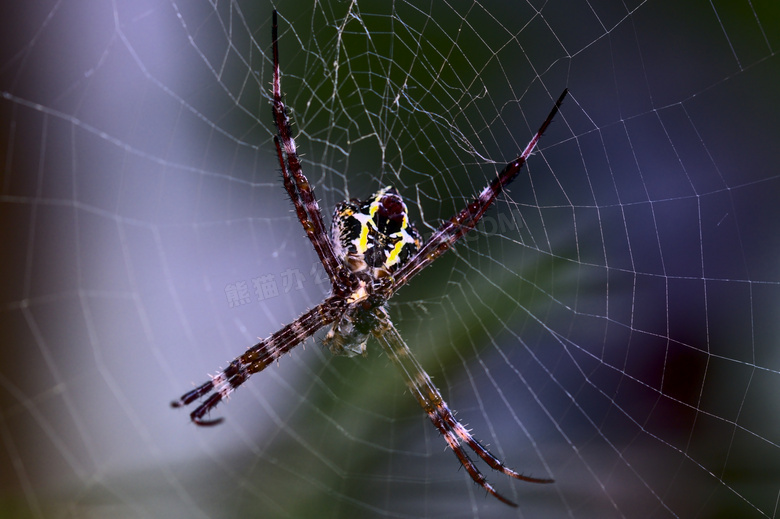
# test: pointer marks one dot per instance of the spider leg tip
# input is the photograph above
(207, 423)
(531, 479)
(501, 498)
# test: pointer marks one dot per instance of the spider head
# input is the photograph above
(344, 339)
(348, 336)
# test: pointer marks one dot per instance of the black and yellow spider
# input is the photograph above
(373, 250)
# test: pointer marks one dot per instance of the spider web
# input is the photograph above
(611, 324)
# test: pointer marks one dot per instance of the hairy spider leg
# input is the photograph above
(296, 183)
(453, 229)
(257, 358)
(430, 399)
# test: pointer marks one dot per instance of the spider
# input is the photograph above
(373, 250)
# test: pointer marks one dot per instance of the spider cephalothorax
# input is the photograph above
(373, 250)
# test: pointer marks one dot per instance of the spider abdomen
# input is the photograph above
(374, 233)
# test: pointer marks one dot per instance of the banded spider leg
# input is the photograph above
(453, 229)
(296, 183)
(430, 399)
(257, 358)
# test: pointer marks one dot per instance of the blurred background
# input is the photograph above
(612, 323)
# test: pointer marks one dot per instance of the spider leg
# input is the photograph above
(222, 384)
(453, 229)
(429, 397)
(257, 358)
(481, 451)
(295, 182)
